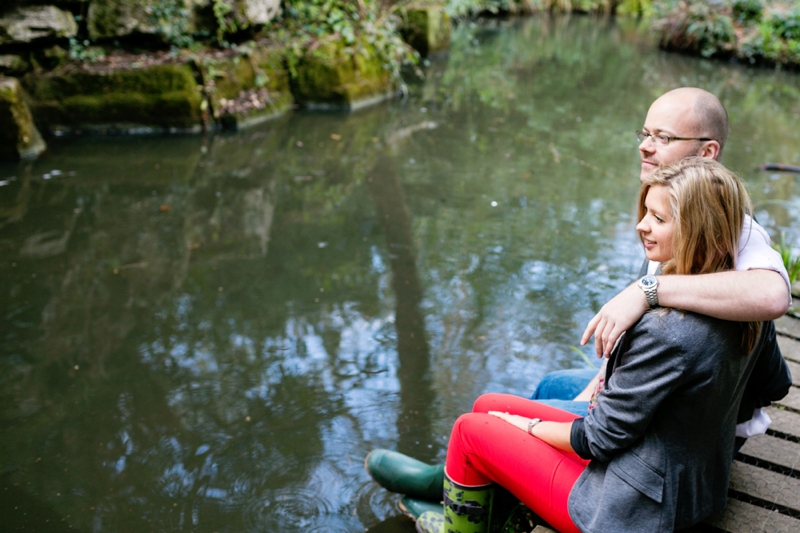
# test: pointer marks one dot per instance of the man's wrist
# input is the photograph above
(639, 295)
(649, 286)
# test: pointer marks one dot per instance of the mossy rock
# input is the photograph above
(26, 24)
(335, 75)
(248, 87)
(159, 97)
(120, 18)
(19, 138)
(426, 29)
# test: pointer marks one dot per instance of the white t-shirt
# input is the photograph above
(755, 252)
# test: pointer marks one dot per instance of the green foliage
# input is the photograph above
(786, 26)
(776, 39)
(366, 28)
(467, 8)
(82, 51)
(747, 10)
(639, 8)
(171, 17)
(225, 24)
(704, 27)
(757, 30)
(790, 260)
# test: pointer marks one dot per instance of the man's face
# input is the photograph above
(671, 115)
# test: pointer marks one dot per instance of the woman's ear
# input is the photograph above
(709, 150)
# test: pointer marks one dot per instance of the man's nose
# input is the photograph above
(647, 146)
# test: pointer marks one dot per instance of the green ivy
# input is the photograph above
(364, 26)
(82, 51)
(225, 25)
(171, 17)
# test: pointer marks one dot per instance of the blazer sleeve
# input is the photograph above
(650, 364)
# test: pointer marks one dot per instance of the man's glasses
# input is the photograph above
(663, 140)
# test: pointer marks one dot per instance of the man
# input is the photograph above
(694, 122)
(681, 123)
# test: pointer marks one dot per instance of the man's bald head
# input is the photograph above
(709, 117)
(695, 121)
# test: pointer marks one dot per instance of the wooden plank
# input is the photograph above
(787, 325)
(784, 421)
(778, 451)
(740, 517)
(790, 348)
(794, 368)
(792, 399)
(765, 485)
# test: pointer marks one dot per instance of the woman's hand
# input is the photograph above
(556, 434)
(519, 422)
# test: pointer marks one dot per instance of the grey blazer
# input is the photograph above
(661, 437)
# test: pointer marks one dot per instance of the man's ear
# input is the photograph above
(710, 150)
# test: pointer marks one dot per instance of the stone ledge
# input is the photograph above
(160, 97)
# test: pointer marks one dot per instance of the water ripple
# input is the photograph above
(281, 509)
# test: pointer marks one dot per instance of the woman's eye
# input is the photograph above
(658, 219)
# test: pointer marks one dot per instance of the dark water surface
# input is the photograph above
(209, 333)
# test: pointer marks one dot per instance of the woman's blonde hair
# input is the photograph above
(708, 204)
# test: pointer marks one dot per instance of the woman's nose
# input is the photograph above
(642, 227)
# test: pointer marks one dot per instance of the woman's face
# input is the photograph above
(655, 229)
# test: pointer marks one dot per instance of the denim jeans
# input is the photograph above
(557, 389)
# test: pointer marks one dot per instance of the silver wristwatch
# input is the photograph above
(649, 284)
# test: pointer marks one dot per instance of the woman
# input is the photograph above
(654, 453)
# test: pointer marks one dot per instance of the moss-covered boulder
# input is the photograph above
(426, 29)
(337, 75)
(246, 87)
(26, 24)
(133, 99)
(19, 138)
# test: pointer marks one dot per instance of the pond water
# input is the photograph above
(210, 333)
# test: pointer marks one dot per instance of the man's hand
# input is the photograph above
(614, 318)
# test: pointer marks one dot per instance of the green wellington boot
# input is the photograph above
(414, 507)
(400, 473)
(466, 510)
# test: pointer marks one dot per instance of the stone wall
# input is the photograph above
(139, 66)
(31, 29)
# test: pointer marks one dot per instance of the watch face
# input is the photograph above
(648, 281)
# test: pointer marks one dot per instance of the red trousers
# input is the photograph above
(485, 449)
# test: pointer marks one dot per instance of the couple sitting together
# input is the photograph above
(691, 360)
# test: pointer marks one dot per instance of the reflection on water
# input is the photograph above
(209, 334)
